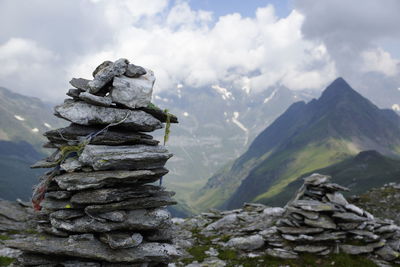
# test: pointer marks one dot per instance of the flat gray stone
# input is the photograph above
(95, 250)
(313, 205)
(337, 198)
(80, 83)
(106, 74)
(159, 235)
(58, 194)
(110, 137)
(355, 209)
(326, 236)
(307, 214)
(309, 249)
(112, 216)
(322, 222)
(121, 240)
(387, 253)
(133, 93)
(140, 219)
(300, 230)
(281, 253)
(135, 157)
(86, 114)
(355, 250)
(247, 243)
(316, 179)
(136, 203)
(104, 101)
(99, 179)
(348, 216)
(108, 195)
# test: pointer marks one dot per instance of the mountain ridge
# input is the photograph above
(325, 131)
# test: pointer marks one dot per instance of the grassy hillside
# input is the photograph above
(366, 170)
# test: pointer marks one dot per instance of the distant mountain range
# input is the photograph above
(308, 137)
(216, 125)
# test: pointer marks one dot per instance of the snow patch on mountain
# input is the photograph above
(35, 130)
(396, 107)
(225, 94)
(47, 125)
(19, 118)
(241, 126)
(266, 100)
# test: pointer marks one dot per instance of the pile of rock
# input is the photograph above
(99, 208)
(320, 220)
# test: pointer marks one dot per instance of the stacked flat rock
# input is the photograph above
(102, 208)
(320, 220)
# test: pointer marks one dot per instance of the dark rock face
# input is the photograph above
(96, 206)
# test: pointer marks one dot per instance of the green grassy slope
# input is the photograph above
(360, 173)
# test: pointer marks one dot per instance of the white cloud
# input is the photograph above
(187, 48)
(380, 61)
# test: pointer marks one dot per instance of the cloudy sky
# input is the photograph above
(253, 44)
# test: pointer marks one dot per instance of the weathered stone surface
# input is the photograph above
(80, 83)
(74, 93)
(96, 250)
(58, 194)
(281, 253)
(387, 229)
(136, 157)
(348, 216)
(99, 179)
(121, 240)
(14, 217)
(133, 93)
(136, 203)
(322, 222)
(337, 198)
(316, 179)
(309, 249)
(104, 101)
(71, 165)
(307, 214)
(108, 195)
(110, 137)
(86, 114)
(355, 250)
(226, 222)
(326, 236)
(67, 214)
(368, 234)
(387, 253)
(139, 219)
(112, 216)
(105, 74)
(248, 243)
(134, 71)
(300, 230)
(313, 205)
(355, 209)
(106, 63)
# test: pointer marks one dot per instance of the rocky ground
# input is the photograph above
(257, 235)
(383, 202)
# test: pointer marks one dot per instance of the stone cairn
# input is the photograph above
(98, 206)
(320, 220)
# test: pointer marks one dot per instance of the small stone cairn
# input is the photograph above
(99, 206)
(320, 220)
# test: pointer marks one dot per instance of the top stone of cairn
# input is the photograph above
(116, 82)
